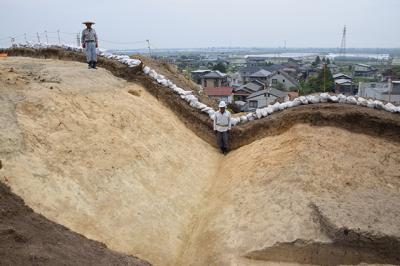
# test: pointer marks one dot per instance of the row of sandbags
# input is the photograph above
(124, 59)
(186, 95)
(321, 98)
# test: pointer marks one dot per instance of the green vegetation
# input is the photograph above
(324, 82)
(220, 67)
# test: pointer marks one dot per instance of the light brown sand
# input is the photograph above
(122, 169)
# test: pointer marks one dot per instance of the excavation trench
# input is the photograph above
(103, 157)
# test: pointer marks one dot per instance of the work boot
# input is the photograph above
(90, 64)
(94, 64)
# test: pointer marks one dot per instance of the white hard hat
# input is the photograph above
(222, 104)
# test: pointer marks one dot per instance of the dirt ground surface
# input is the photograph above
(104, 158)
(27, 238)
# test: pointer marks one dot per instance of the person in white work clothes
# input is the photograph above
(90, 43)
(222, 124)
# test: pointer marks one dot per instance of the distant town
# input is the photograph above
(251, 78)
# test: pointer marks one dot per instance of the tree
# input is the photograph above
(220, 67)
(328, 61)
(325, 81)
(317, 84)
(317, 61)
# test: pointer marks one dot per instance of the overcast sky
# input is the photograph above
(210, 23)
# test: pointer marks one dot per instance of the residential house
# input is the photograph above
(281, 77)
(246, 72)
(220, 93)
(342, 76)
(261, 75)
(344, 84)
(214, 79)
(243, 91)
(362, 70)
(263, 98)
(197, 74)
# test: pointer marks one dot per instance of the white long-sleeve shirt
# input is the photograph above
(89, 35)
(222, 122)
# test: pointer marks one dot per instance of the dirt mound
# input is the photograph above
(27, 238)
(102, 157)
(354, 118)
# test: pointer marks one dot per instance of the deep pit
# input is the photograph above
(107, 159)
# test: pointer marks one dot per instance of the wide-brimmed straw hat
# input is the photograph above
(88, 22)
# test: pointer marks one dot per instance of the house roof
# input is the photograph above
(288, 77)
(341, 75)
(343, 81)
(218, 91)
(201, 71)
(214, 74)
(262, 73)
(254, 69)
(251, 86)
(271, 91)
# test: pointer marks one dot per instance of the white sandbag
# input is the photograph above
(303, 100)
(194, 102)
(164, 82)
(275, 106)
(351, 100)
(379, 105)
(324, 97)
(282, 106)
(342, 98)
(250, 116)
(289, 104)
(234, 121)
(258, 113)
(361, 101)
(189, 98)
(243, 119)
(186, 92)
(390, 107)
(264, 112)
(270, 109)
(153, 74)
(313, 99)
(206, 109)
(169, 83)
(296, 102)
(333, 99)
(370, 103)
(201, 106)
(146, 70)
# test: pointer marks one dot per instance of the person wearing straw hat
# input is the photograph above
(222, 124)
(90, 43)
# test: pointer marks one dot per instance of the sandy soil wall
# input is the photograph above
(101, 156)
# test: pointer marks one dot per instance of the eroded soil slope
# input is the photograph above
(104, 158)
(27, 238)
(100, 156)
(263, 191)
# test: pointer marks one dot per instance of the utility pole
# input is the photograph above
(390, 88)
(342, 51)
(78, 40)
(38, 38)
(58, 34)
(148, 46)
(47, 39)
(324, 77)
(12, 39)
(26, 40)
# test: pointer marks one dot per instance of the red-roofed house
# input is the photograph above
(220, 93)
